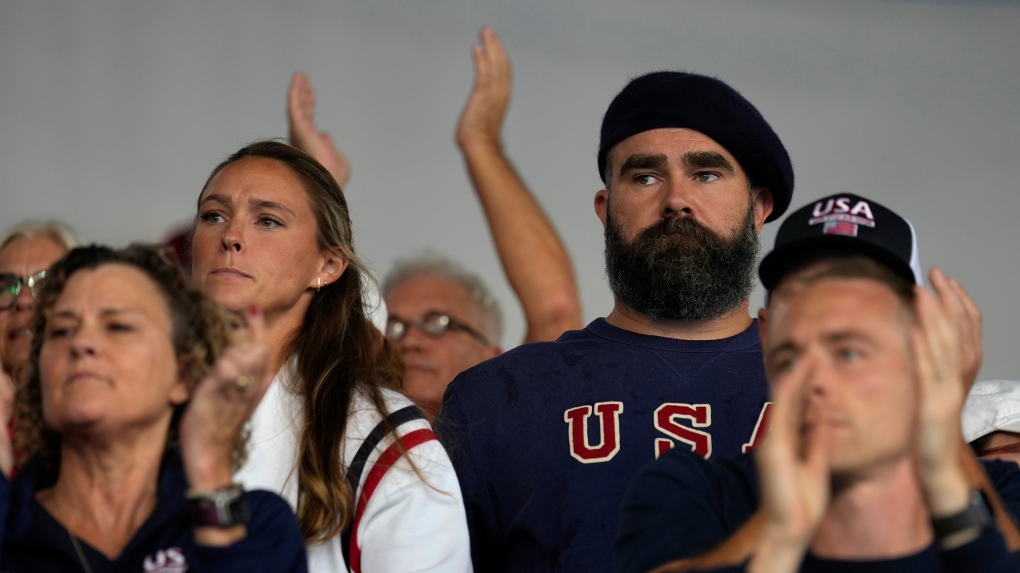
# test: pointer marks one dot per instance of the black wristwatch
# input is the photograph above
(225, 507)
(976, 514)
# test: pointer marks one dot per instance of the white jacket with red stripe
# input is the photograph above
(406, 524)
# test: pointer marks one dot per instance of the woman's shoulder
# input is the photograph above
(365, 421)
(412, 511)
(364, 412)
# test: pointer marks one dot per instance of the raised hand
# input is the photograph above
(794, 474)
(306, 136)
(220, 405)
(532, 255)
(942, 344)
(482, 118)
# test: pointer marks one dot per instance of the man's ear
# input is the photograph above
(763, 319)
(602, 205)
(762, 199)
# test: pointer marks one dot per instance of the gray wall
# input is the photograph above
(113, 112)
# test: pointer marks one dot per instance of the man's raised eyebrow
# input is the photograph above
(706, 160)
(643, 161)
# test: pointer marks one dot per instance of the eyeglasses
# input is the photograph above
(433, 325)
(10, 287)
(1007, 449)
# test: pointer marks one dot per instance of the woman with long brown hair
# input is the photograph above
(372, 488)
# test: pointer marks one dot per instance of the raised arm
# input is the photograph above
(305, 135)
(534, 259)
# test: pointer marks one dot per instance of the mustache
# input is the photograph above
(674, 226)
(677, 233)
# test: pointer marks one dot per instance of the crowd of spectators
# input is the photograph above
(252, 398)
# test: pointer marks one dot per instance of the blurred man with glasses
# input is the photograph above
(443, 320)
(26, 251)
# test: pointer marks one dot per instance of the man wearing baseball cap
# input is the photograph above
(842, 280)
(545, 437)
(831, 228)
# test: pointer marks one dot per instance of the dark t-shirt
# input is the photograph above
(546, 437)
(34, 541)
(682, 506)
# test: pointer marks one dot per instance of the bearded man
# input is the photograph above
(546, 437)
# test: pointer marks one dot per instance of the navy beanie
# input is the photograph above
(707, 105)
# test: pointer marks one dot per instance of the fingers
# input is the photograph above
(953, 322)
(248, 358)
(783, 449)
(924, 362)
(816, 458)
(953, 299)
(971, 308)
(260, 351)
(936, 348)
(794, 470)
(940, 394)
(968, 320)
(241, 369)
(494, 56)
(788, 396)
(256, 324)
(300, 99)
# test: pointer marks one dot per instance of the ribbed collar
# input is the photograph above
(746, 339)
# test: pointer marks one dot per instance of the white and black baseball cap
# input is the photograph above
(992, 406)
(843, 225)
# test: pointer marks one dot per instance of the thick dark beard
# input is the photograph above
(680, 269)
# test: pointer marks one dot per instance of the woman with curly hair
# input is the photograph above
(130, 414)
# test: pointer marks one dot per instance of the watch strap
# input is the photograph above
(224, 507)
(976, 514)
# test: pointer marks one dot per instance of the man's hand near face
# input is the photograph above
(794, 471)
